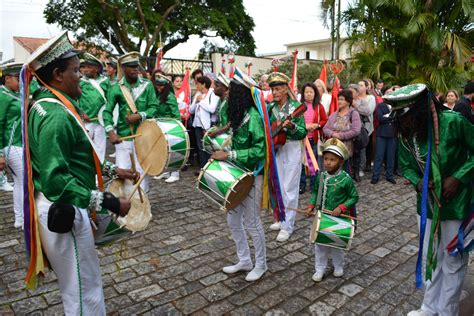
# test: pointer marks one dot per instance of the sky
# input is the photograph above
(277, 22)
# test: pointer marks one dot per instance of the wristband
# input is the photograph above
(111, 203)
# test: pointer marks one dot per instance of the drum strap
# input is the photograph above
(320, 191)
(129, 98)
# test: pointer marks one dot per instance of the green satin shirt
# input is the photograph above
(248, 141)
(299, 132)
(456, 150)
(10, 118)
(222, 112)
(337, 189)
(168, 109)
(92, 99)
(145, 102)
(61, 155)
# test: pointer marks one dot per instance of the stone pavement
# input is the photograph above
(174, 267)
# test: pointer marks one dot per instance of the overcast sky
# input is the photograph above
(277, 22)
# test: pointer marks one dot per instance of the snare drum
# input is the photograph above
(222, 141)
(225, 183)
(163, 145)
(111, 227)
(332, 231)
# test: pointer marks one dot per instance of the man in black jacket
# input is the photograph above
(463, 105)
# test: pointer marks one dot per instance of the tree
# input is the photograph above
(410, 41)
(138, 25)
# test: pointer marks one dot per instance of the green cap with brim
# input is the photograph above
(58, 47)
(10, 69)
(89, 59)
(404, 98)
(162, 79)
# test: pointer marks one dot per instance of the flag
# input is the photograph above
(464, 240)
(294, 79)
(323, 75)
(159, 57)
(335, 91)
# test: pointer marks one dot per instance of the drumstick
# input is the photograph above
(129, 137)
(132, 159)
(138, 182)
(94, 119)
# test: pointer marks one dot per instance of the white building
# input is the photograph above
(24, 46)
(319, 49)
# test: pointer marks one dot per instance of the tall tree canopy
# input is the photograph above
(407, 41)
(137, 24)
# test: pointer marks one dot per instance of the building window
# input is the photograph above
(307, 55)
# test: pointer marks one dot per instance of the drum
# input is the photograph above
(163, 145)
(220, 142)
(111, 227)
(225, 183)
(332, 231)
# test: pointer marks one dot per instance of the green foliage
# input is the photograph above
(137, 25)
(408, 41)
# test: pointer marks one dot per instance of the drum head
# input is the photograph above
(315, 227)
(239, 191)
(151, 147)
(140, 213)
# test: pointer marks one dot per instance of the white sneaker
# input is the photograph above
(318, 276)
(165, 175)
(275, 226)
(255, 274)
(283, 235)
(236, 268)
(7, 187)
(338, 272)
(18, 224)
(419, 312)
(112, 155)
(172, 179)
(361, 173)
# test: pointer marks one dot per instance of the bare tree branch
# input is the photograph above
(142, 19)
(119, 27)
(160, 25)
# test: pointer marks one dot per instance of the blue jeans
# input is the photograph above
(385, 146)
(303, 172)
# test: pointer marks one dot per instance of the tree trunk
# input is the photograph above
(333, 18)
(338, 33)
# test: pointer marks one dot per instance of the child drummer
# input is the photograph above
(334, 192)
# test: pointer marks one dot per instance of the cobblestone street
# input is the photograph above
(175, 266)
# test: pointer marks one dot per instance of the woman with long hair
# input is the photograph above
(323, 92)
(452, 97)
(368, 100)
(315, 119)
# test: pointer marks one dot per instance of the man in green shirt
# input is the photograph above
(248, 150)
(93, 99)
(136, 100)
(222, 90)
(289, 156)
(11, 153)
(62, 167)
(444, 188)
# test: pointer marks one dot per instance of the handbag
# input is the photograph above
(362, 140)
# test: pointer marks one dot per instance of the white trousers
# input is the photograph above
(289, 159)
(75, 261)
(122, 160)
(321, 255)
(247, 215)
(443, 293)
(97, 134)
(15, 163)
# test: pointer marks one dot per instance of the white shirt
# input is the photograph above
(204, 109)
(326, 102)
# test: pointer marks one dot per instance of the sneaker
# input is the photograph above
(318, 276)
(7, 187)
(112, 155)
(18, 224)
(338, 272)
(237, 267)
(255, 274)
(419, 312)
(275, 226)
(172, 179)
(165, 175)
(283, 236)
(361, 173)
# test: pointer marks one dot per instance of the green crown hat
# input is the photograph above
(405, 97)
(337, 147)
(58, 47)
(10, 69)
(221, 78)
(277, 79)
(89, 59)
(162, 79)
(243, 79)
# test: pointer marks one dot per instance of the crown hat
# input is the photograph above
(243, 79)
(58, 47)
(221, 78)
(404, 98)
(10, 69)
(337, 147)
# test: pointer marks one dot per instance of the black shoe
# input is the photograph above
(392, 181)
(356, 175)
(197, 173)
(374, 181)
(302, 190)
